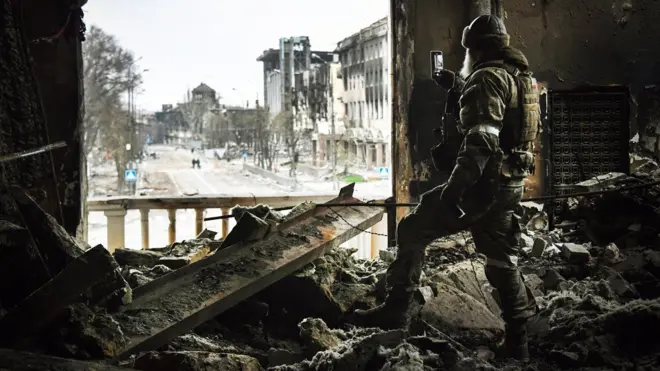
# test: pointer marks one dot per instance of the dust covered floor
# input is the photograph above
(596, 279)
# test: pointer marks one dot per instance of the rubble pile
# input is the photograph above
(598, 289)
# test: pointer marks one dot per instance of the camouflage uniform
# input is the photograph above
(489, 203)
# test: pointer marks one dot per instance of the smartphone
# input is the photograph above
(437, 61)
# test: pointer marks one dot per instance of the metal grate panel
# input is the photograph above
(588, 135)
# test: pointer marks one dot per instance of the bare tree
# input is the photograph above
(106, 77)
(215, 128)
(265, 140)
(284, 125)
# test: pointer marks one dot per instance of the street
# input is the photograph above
(216, 177)
(171, 174)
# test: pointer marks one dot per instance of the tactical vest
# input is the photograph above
(521, 123)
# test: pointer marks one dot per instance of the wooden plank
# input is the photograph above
(180, 301)
(43, 305)
(194, 202)
(24, 361)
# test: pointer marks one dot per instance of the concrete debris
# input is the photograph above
(575, 253)
(196, 361)
(596, 278)
(175, 256)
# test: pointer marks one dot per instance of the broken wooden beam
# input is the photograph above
(43, 305)
(180, 301)
(24, 361)
(56, 245)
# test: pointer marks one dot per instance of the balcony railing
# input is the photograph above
(116, 208)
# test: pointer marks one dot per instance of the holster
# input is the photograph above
(518, 164)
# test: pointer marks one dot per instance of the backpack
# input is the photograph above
(528, 112)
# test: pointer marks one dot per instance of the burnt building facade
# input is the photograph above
(286, 78)
(365, 70)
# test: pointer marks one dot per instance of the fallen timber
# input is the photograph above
(180, 301)
(386, 204)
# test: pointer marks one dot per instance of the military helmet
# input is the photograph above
(486, 32)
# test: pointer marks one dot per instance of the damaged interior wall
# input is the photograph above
(566, 42)
(42, 97)
(419, 27)
(572, 44)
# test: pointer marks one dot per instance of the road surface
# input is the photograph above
(171, 174)
(215, 177)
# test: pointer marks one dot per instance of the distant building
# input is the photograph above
(172, 119)
(328, 109)
(365, 61)
(204, 94)
(286, 77)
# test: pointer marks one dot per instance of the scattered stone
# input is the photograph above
(535, 283)
(599, 182)
(611, 254)
(207, 234)
(386, 256)
(195, 361)
(84, 334)
(316, 334)
(552, 279)
(575, 253)
(136, 258)
(527, 241)
(136, 278)
(454, 311)
(249, 227)
(539, 247)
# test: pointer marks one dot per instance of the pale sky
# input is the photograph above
(183, 43)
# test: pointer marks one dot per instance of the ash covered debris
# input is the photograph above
(598, 292)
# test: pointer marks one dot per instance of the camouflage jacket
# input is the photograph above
(485, 97)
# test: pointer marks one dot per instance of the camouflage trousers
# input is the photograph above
(496, 233)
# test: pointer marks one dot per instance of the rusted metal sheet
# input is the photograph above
(177, 302)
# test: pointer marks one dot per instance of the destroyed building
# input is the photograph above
(365, 70)
(276, 293)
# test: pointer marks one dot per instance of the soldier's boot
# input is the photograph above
(515, 341)
(393, 313)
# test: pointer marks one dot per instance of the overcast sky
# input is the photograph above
(183, 43)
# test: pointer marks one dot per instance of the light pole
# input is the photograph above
(333, 142)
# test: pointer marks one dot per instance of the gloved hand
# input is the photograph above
(445, 79)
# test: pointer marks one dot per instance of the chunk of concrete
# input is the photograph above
(453, 310)
(526, 241)
(538, 247)
(386, 256)
(136, 258)
(552, 279)
(611, 253)
(469, 277)
(574, 253)
(207, 233)
(317, 336)
(195, 361)
(535, 283)
(599, 182)
(248, 228)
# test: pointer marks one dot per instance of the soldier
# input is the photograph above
(499, 116)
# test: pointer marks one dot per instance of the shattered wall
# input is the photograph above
(591, 42)
(569, 44)
(417, 28)
(41, 102)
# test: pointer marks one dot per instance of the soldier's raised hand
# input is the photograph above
(445, 79)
